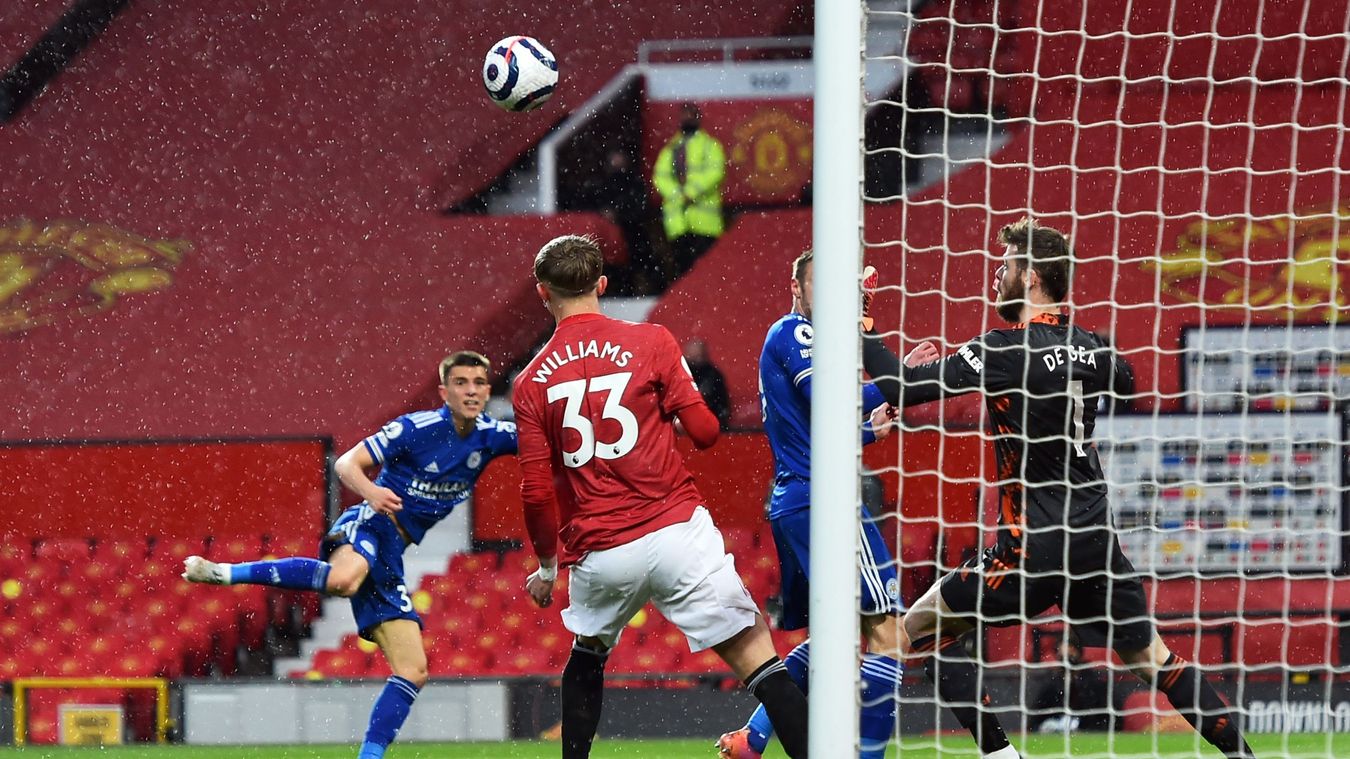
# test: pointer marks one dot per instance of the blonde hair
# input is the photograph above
(463, 358)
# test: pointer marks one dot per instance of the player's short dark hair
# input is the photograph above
(463, 358)
(800, 263)
(1049, 253)
(569, 265)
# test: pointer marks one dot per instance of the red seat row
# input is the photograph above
(75, 607)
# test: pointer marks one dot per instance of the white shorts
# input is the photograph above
(683, 569)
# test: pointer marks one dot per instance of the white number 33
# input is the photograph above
(573, 393)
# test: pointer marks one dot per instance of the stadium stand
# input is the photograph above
(78, 608)
(272, 262)
(281, 208)
(21, 24)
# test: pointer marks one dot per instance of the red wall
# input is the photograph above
(165, 489)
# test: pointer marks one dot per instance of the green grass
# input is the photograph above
(1138, 745)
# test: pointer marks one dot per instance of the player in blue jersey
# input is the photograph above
(785, 400)
(429, 462)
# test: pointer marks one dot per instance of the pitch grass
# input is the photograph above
(1136, 745)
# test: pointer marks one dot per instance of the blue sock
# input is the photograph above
(295, 573)
(880, 694)
(391, 709)
(798, 663)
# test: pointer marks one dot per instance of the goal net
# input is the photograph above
(1195, 154)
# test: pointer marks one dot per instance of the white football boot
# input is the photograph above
(197, 569)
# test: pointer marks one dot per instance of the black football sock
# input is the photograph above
(1200, 704)
(956, 678)
(784, 703)
(583, 692)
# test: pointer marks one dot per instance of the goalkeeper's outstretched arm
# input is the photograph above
(924, 377)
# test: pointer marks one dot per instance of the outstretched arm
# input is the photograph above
(920, 368)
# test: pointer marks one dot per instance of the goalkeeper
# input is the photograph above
(1041, 380)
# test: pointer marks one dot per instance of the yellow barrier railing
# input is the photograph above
(24, 684)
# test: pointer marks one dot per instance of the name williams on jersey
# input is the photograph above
(613, 352)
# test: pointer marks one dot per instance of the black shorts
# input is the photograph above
(1098, 590)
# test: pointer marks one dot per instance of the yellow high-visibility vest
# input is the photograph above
(695, 207)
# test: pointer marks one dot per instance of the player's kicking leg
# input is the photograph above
(341, 574)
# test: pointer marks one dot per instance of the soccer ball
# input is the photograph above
(519, 73)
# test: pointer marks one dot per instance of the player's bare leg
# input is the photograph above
(583, 694)
(881, 679)
(885, 635)
(401, 642)
(934, 630)
(751, 655)
(348, 571)
(1190, 693)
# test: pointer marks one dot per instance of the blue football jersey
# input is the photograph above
(425, 461)
(785, 403)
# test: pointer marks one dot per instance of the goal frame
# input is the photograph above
(836, 366)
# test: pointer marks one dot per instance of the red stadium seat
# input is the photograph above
(131, 663)
(278, 547)
(12, 666)
(166, 653)
(94, 575)
(14, 556)
(11, 630)
(469, 564)
(465, 663)
(118, 554)
(123, 591)
(343, 662)
(64, 551)
(525, 660)
(236, 549)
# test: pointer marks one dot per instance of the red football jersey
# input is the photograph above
(598, 404)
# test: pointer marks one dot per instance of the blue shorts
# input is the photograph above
(792, 536)
(384, 594)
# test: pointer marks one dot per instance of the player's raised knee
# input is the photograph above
(344, 583)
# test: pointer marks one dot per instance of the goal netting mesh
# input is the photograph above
(1195, 153)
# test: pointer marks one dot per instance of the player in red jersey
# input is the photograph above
(596, 413)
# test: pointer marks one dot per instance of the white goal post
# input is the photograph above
(835, 364)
